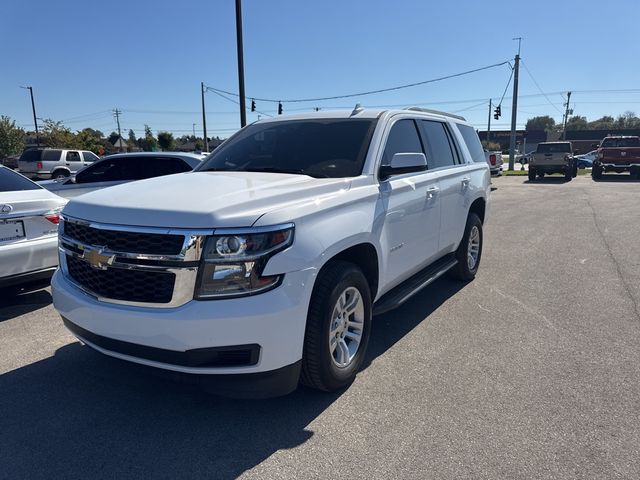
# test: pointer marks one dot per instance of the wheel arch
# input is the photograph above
(365, 256)
(479, 207)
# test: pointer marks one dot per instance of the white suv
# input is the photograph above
(265, 265)
(55, 163)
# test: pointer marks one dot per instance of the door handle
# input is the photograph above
(465, 182)
(431, 192)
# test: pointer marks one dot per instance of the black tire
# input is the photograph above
(540, 174)
(60, 174)
(574, 170)
(318, 367)
(596, 172)
(568, 174)
(532, 174)
(462, 271)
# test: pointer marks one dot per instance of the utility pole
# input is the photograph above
(204, 119)
(565, 117)
(514, 108)
(243, 108)
(35, 119)
(117, 113)
(194, 130)
(489, 124)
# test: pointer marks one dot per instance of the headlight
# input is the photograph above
(233, 261)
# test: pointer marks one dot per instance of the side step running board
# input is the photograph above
(413, 285)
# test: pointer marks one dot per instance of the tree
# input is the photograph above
(149, 142)
(166, 141)
(544, 122)
(627, 120)
(132, 142)
(491, 146)
(90, 139)
(603, 123)
(577, 123)
(56, 135)
(11, 137)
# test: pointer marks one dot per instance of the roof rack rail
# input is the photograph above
(437, 112)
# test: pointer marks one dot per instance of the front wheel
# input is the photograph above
(469, 251)
(532, 174)
(568, 174)
(574, 170)
(338, 327)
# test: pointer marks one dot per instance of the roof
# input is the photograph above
(362, 113)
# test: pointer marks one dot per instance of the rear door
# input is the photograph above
(89, 157)
(443, 157)
(411, 205)
(73, 160)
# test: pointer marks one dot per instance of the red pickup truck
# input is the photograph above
(617, 154)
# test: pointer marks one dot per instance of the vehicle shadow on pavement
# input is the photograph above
(80, 414)
(14, 303)
(613, 178)
(548, 180)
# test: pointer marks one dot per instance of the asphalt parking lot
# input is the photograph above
(530, 371)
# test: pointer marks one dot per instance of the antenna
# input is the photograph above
(356, 110)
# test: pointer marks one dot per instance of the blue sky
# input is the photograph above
(84, 58)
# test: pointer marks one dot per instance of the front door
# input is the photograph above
(411, 206)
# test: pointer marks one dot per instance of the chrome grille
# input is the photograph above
(140, 266)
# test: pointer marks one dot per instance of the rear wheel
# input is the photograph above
(596, 172)
(60, 174)
(568, 174)
(469, 251)
(532, 174)
(338, 327)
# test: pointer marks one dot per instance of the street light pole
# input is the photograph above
(35, 120)
(514, 108)
(243, 108)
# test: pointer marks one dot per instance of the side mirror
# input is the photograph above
(594, 145)
(404, 163)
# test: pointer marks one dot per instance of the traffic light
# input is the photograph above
(499, 108)
(253, 105)
(496, 116)
(279, 108)
(497, 112)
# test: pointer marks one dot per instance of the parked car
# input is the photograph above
(11, 161)
(122, 168)
(494, 159)
(29, 217)
(617, 154)
(263, 267)
(586, 159)
(45, 163)
(553, 157)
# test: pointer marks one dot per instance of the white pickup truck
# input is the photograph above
(263, 267)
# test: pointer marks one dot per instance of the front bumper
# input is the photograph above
(274, 321)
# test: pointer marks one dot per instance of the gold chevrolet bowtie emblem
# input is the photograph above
(97, 259)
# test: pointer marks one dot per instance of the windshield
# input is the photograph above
(554, 148)
(329, 148)
(621, 142)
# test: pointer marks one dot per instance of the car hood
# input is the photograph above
(201, 199)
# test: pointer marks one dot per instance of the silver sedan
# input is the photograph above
(29, 217)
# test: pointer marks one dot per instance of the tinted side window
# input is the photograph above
(437, 144)
(73, 157)
(403, 138)
(158, 166)
(11, 181)
(107, 170)
(51, 155)
(90, 157)
(472, 141)
(32, 155)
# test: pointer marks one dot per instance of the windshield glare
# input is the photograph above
(327, 148)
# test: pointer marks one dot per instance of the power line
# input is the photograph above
(238, 103)
(506, 87)
(360, 94)
(541, 91)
